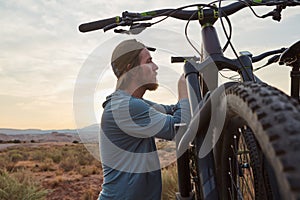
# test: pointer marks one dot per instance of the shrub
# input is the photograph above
(38, 155)
(47, 165)
(85, 158)
(89, 195)
(68, 164)
(4, 161)
(19, 188)
(17, 155)
(55, 183)
(56, 156)
(87, 171)
(169, 182)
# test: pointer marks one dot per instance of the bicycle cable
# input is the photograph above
(225, 46)
(189, 41)
(247, 4)
(230, 77)
(187, 37)
(254, 70)
(228, 37)
(250, 7)
(230, 43)
(230, 33)
(178, 9)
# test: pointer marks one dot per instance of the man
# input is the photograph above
(130, 123)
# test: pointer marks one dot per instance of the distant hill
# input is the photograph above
(87, 134)
(47, 137)
(9, 131)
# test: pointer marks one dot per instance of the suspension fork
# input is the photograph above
(196, 89)
(199, 83)
(195, 83)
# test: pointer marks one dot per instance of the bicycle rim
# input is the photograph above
(257, 156)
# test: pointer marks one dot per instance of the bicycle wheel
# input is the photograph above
(258, 154)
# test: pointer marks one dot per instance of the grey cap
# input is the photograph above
(125, 53)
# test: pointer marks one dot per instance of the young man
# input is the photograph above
(130, 123)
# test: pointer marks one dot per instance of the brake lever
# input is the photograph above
(273, 59)
(130, 31)
(276, 13)
(134, 29)
(110, 26)
(114, 25)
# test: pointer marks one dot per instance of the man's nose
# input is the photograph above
(155, 67)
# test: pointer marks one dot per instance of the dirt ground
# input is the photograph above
(61, 185)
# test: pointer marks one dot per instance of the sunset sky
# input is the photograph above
(46, 63)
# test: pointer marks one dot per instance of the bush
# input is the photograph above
(4, 161)
(19, 188)
(17, 155)
(169, 182)
(68, 164)
(38, 155)
(87, 171)
(85, 158)
(47, 165)
(89, 195)
(56, 157)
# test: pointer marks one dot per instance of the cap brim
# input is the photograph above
(151, 48)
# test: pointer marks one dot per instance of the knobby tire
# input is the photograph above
(268, 123)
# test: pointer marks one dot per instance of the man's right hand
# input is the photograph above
(182, 88)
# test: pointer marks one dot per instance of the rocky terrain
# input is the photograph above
(66, 178)
(46, 137)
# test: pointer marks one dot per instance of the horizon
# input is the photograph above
(46, 129)
(44, 54)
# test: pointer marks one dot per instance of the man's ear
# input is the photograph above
(128, 70)
(133, 70)
(128, 67)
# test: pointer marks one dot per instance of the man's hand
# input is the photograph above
(182, 89)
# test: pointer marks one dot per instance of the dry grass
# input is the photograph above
(66, 171)
(170, 182)
(20, 186)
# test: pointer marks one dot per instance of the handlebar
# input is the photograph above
(266, 54)
(91, 26)
(128, 18)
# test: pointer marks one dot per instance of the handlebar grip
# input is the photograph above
(175, 59)
(91, 26)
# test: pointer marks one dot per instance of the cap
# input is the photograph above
(125, 53)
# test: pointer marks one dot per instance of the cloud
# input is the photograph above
(42, 51)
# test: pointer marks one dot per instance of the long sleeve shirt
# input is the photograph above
(129, 126)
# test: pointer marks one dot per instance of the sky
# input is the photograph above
(54, 77)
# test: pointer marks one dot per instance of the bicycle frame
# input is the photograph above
(197, 88)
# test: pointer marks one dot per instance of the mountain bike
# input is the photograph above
(255, 152)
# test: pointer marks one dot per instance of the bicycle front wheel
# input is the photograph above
(258, 153)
